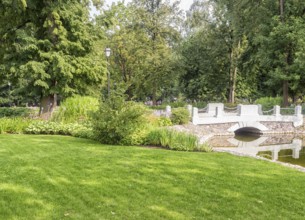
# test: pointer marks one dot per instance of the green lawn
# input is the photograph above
(54, 177)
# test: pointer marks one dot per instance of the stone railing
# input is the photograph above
(216, 114)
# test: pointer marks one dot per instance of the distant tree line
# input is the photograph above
(222, 50)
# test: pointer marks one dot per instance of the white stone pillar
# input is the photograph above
(277, 110)
(168, 111)
(296, 153)
(195, 117)
(219, 112)
(275, 154)
(298, 110)
(239, 109)
(189, 108)
(260, 109)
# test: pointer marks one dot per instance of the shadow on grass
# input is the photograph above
(53, 177)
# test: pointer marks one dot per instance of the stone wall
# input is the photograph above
(217, 129)
(279, 127)
(273, 128)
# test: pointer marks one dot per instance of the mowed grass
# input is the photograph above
(56, 177)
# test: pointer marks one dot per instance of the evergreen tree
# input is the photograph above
(47, 43)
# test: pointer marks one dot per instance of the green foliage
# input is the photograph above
(13, 125)
(143, 37)
(120, 122)
(199, 104)
(205, 60)
(205, 147)
(15, 112)
(164, 121)
(75, 109)
(173, 140)
(46, 49)
(180, 116)
(49, 127)
(268, 102)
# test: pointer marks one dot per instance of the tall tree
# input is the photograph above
(48, 43)
(159, 20)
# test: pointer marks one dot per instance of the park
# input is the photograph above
(142, 109)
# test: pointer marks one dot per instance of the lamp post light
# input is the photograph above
(107, 53)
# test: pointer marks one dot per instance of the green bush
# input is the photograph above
(15, 112)
(180, 116)
(199, 104)
(13, 125)
(76, 109)
(268, 102)
(120, 122)
(164, 121)
(83, 131)
(173, 140)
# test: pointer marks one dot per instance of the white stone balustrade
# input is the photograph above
(277, 110)
(190, 109)
(168, 111)
(246, 116)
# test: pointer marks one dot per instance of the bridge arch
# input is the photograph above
(248, 126)
(248, 130)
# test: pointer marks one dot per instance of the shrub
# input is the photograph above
(180, 116)
(15, 112)
(164, 121)
(199, 104)
(49, 127)
(268, 102)
(83, 131)
(120, 122)
(13, 125)
(76, 109)
(205, 147)
(173, 140)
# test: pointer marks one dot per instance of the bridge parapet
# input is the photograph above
(245, 115)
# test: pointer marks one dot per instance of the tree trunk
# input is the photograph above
(47, 105)
(285, 93)
(281, 3)
(233, 72)
(234, 85)
(230, 100)
(285, 82)
(154, 94)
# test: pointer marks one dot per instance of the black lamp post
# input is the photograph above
(107, 53)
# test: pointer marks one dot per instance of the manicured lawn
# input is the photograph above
(54, 177)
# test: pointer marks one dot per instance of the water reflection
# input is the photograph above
(285, 148)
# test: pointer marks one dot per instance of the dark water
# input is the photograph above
(284, 148)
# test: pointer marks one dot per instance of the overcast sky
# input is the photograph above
(184, 4)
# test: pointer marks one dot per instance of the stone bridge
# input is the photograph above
(248, 118)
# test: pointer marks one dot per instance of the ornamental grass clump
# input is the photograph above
(13, 125)
(76, 109)
(173, 140)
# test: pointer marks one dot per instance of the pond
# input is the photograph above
(284, 148)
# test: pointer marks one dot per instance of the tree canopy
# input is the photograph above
(221, 50)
